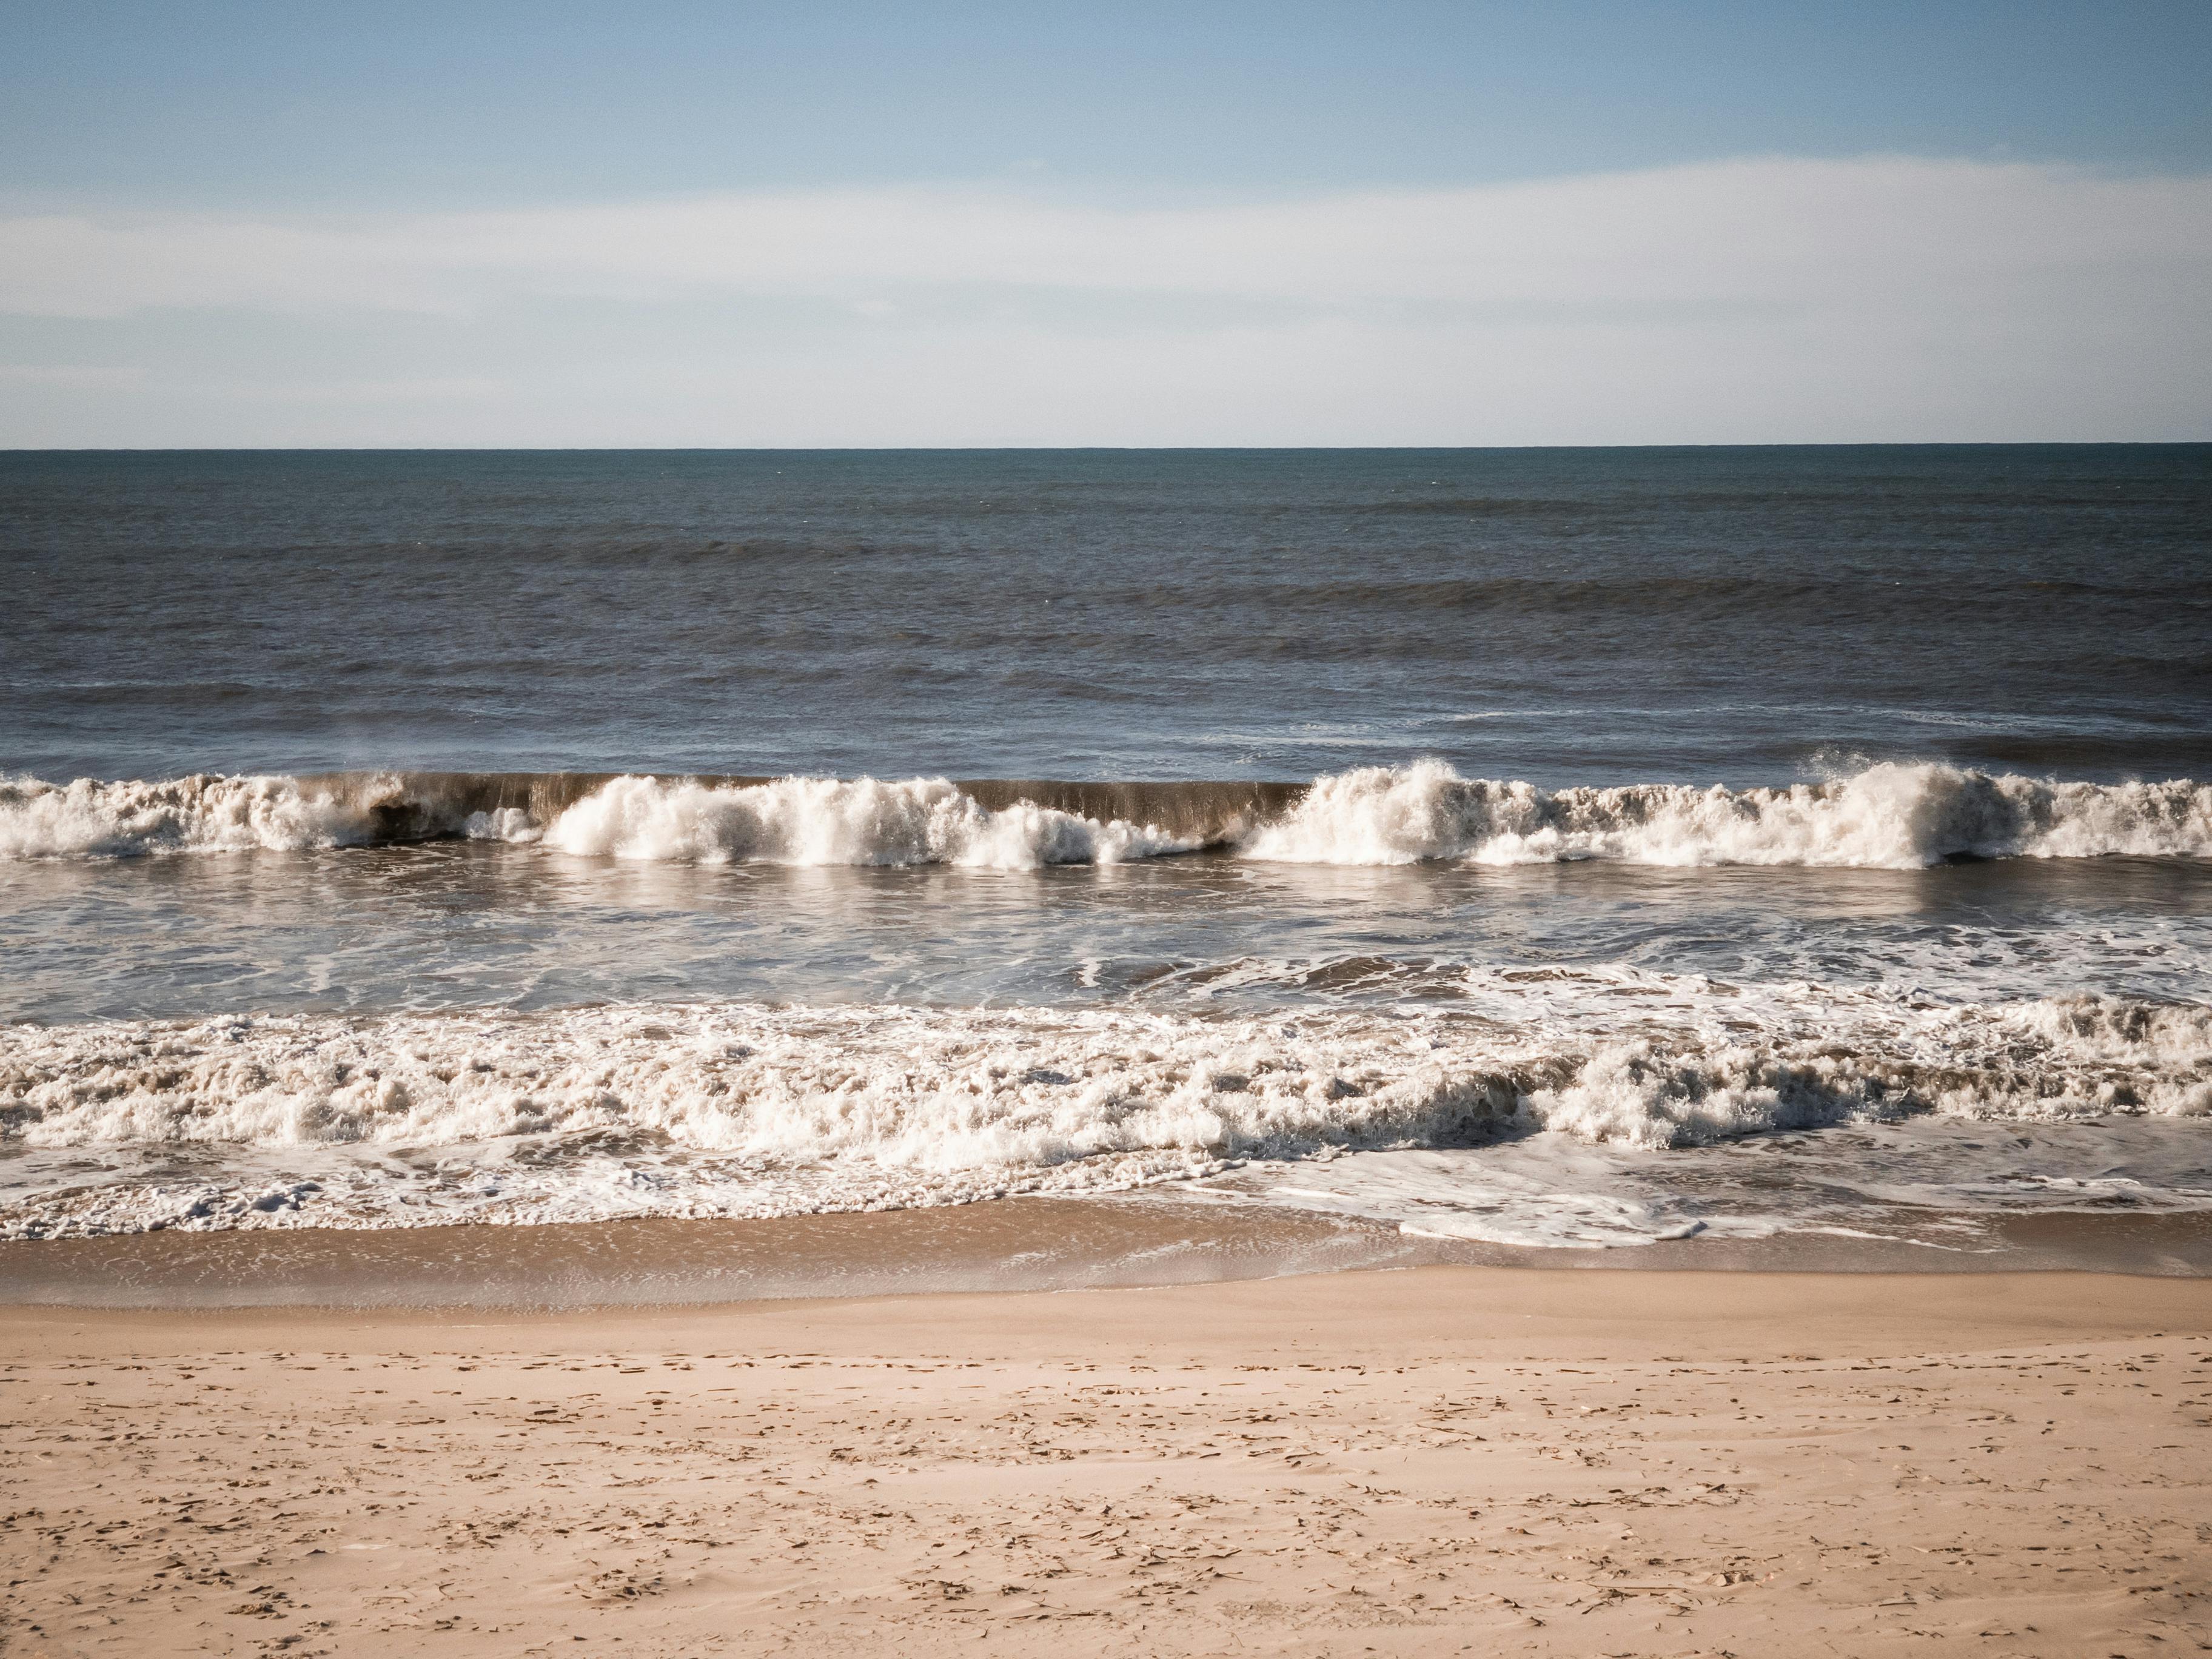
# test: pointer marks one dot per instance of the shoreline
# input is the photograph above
(1482, 1313)
(1028, 1244)
(1416, 1463)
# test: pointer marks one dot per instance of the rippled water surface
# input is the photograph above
(1707, 843)
(1562, 616)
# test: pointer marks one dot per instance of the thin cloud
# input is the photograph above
(1735, 229)
(1832, 296)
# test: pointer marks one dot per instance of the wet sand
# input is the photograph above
(1440, 1461)
(1020, 1244)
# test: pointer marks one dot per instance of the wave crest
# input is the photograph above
(824, 821)
(1890, 816)
(197, 814)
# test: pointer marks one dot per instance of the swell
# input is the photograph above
(753, 1110)
(1888, 816)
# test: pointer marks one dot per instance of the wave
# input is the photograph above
(707, 820)
(89, 819)
(1888, 816)
(748, 1109)
(829, 821)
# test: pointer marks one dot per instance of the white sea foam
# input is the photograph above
(1885, 817)
(835, 821)
(1895, 817)
(787, 821)
(746, 1109)
(198, 814)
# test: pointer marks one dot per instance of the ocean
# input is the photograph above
(1595, 851)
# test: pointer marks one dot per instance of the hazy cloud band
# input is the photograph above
(1791, 299)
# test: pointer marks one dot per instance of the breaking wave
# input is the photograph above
(1890, 816)
(755, 1110)
(713, 821)
(199, 814)
(829, 821)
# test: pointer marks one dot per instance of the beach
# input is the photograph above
(1435, 1460)
(1161, 832)
(1586, 1052)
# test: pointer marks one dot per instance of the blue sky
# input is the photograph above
(265, 223)
(413, 105)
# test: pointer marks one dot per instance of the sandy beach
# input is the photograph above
(1122, 831)
(1447, 1460)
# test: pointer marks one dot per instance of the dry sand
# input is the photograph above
(1453, 1460)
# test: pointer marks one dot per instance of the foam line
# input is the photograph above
(753, 1109)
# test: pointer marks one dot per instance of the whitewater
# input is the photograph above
(1548, 849)
(1889, 816)
(761, 1110)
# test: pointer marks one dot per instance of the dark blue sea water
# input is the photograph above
(1706, 841)
(1567, 617)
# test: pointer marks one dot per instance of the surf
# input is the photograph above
(1886, 816)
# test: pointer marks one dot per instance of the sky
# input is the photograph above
(491, 224)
